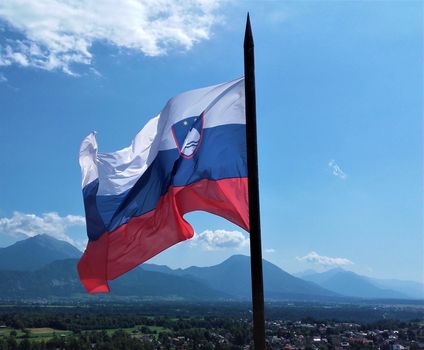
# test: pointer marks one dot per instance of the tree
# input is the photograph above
(26, 332)
(25, 345)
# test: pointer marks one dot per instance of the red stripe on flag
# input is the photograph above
(143, 237)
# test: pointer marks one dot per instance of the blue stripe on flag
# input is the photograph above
(221, 155)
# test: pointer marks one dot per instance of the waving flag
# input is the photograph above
(192, 156)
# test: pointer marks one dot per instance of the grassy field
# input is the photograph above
(137, 330)
(34, 333)
(46, 333)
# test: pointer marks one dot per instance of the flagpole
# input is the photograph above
(253, 185)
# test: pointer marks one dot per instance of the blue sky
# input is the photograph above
(340, 118)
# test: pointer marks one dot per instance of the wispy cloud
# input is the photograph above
(220, 239)
(49, 223)
(337, 170)
(3, 79)
(315, 258)
(95, 72)
(269, 250)
(58, 33)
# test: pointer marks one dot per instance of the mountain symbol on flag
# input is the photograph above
(188, 135)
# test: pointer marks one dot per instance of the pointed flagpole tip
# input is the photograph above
(248, 36)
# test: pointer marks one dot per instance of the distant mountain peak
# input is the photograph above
(338, 269)
(42, 237)
(351, 284)
(237, 258)
(34, 252)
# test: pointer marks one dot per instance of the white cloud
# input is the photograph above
(220, 239)
(336, 170)
(270, 250)
(49, 223)
(3, 79)
(59, 33)
(315, 258)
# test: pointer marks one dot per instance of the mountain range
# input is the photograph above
(351, 284)
(232, 277)
(44, 267)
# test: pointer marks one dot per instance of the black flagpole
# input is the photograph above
(253, 185)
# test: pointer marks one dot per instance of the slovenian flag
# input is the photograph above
(192, 156)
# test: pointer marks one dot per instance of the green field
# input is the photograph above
(34, 334)
(46, 333)
(154, 330)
